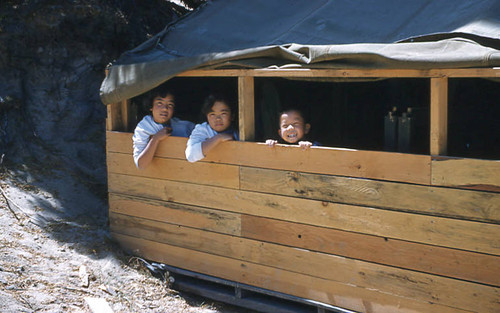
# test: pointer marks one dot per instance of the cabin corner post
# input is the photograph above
(439, 116)
(119, 117)
(246, 108)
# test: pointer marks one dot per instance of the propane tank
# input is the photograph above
(405, 131)
(390, 130)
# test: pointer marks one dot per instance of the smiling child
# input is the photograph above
(293, 129)
(217, 129)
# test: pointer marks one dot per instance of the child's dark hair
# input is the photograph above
(161, 91)
(304, 117)
(290, 109)
(210, 101)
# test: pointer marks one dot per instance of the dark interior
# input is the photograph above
(354, 114)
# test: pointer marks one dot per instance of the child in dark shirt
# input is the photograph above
(293, 129)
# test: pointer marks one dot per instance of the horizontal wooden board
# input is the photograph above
(171, 147)
(387, 279)
(466, 173)
(371, 164)
(465, 204)
(345, 73)
(346, 162)
(174, 213)
(332, 271)
(179, 170)
(476, 267)
(432, 230)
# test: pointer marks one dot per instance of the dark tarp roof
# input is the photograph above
(421, 34)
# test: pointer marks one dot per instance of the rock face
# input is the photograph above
(53, 56)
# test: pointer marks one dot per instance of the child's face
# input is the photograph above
(292, 127)
(163, 109)
(219, 118)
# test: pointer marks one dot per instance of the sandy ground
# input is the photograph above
(56, 255)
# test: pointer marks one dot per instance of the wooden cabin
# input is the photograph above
(347, 226)
(368, 231)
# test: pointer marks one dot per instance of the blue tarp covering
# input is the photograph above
(422, 34)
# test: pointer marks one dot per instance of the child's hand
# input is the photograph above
(305, 144)
(163, 133)
(271, 142)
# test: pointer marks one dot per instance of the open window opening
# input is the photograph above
(350, 114)
(190, 92)
(384, 115)
(474, 118)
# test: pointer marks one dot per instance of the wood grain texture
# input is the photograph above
(359, 298)
(114, 117)
(174, 213)
(462, 204)
(466, 173)
(345, 162)
(174, 169)
(467, 235)
(386, 279)
(371, 164)
(171, 147)
(439, 116)
(246, 108)
(346, 73)
(476, 267)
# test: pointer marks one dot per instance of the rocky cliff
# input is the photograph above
(52, 60)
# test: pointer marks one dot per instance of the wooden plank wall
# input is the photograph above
(363, 230)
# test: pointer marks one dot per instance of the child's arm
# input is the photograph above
(202, 140)
(211, 143)
(146, 156)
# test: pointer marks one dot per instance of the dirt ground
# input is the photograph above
(58, 258)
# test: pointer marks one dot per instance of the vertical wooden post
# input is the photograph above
(119, 117)
(246, 108)
(439, 116)
(114, 117)
(125, 108)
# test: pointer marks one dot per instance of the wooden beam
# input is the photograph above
(175, 213)
(390, 166)
(346, 73)
(330, 267)
(119, 116)
(124, 107)
(342, 294)
(246, 108)
(128, 115)
(466, 173)
(449, 202)
(456, 263)
(171, 147)
(114, 117)
(224, 175)
(348, 217)
(439, 116)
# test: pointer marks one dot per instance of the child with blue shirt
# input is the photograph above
(217, 129)
(157, 126)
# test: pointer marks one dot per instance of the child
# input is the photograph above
(157, 126)
(293, 129)
(208, 135)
